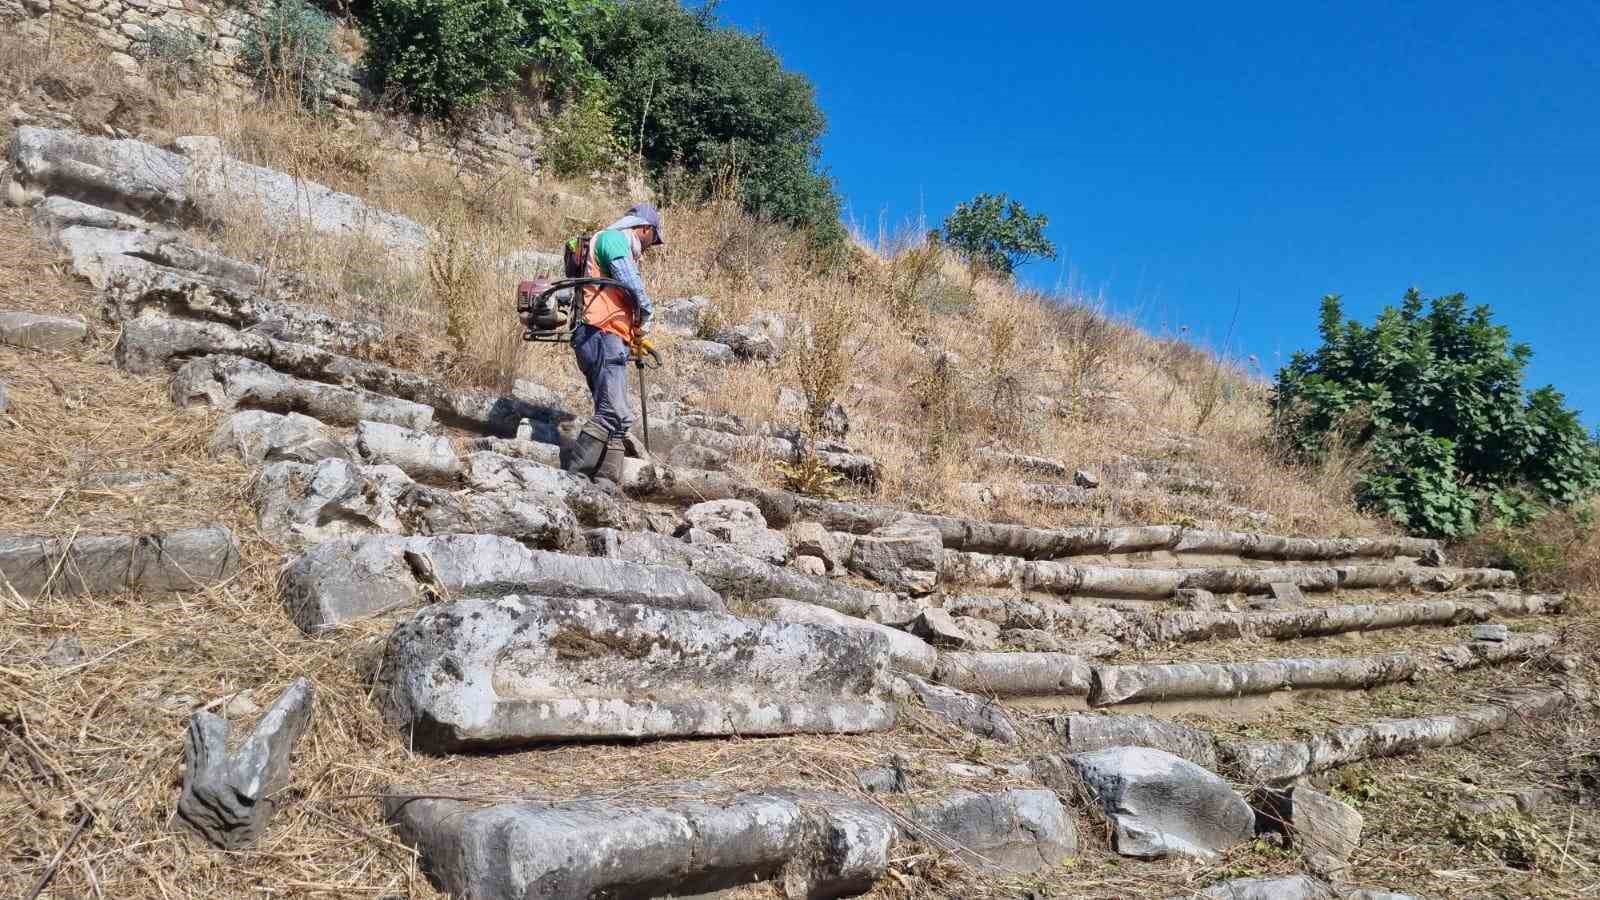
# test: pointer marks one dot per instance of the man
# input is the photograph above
(612, 324)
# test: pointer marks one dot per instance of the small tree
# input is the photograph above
(1436, 400)
(994, 233)
(440, 56)
(289, 50)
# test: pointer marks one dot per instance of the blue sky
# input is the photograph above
(1194, 155)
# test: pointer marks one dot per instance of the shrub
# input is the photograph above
(581, 138)
(442, 56)
(289, 51)
(1436, 400)
(694, 94)
(173, 54)
(995, 233)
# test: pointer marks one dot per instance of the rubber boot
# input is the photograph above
(611, 464)
(588, 450)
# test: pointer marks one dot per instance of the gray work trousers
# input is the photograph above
(603, 360)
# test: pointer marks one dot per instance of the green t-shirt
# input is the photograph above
(609, 246)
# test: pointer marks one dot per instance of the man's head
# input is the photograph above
(645, 221)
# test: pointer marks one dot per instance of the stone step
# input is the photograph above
(1071, 496)
(1208, 625)
(187, 559)
(346, 579)
(709, 838)
(516, 671)
(1278, 761)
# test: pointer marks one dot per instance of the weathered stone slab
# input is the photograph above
(535, 521)
(1267, 762)
(334, 498)
(231, 382)
(1089, 733)
(907, 653)
(1018, 831)
(1178, 681)
(739, 524)
(1200, 625)
(1162, 805)
(182, 560)
(1015, 674)
(257, 436)
(1324, 830)
(525, 670)
(903, 556)
(38, 332)
(978, 715)
(486, 471)
(1036, 464)
(689, 486)
(1288, 887)
(423, 456)
(342, 580)
(816, 846)
(229, 797)
(735, 575)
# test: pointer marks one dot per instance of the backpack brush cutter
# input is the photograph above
(545, 309)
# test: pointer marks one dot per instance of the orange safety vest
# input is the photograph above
(608, 308)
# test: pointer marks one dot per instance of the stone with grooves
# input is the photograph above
(257, 436)
(903, 556)
(343, 580)
(1163, 805)
(980, 715)
(480, 674)
(185, 559)
(228, 797)
(1018, 831)
(423, 456)
(37, 332)
(231, 382)
(1325, 831)
(1086, 733)
(907, 652)
(814, 845)
(739, 523)
(330, 499)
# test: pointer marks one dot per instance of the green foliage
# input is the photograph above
(581, 139)
(1435, 399)
(710, 99)
(441, 56)
(995, 233)
(289, 51)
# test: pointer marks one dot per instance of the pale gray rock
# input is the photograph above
(889, 779)
(1525, 801)
(532, 451)
(1196, 599)
(1032, 640)
(538, 522)
(1176, 681)
(811, 539)
(939, 628)
(1082, 733)
(60, 213)
(1015, 674)
(525, 670)
(1018, 831)
(1324, 830)
(1287, 593)
(811, 566)
(907, 653)
(697, 456)
(985, 634)
(228, 798)
(1085, 479)
(903, 556)
(63, 652)
(764, 337)
(424, 457)
(981, 716)
(706, 351)
(1288, 887)
(1163, 805)
(341, 580)
(739, 524)
(257, 436)
(815, 846)
(39, 332)
(595, 507)
(231, 382)
(174, 561)
(681, 316)
(5, 398)
(333, 498)
(1490, 632)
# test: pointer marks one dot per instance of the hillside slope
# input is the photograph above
(719, 682)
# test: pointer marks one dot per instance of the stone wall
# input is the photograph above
(139, 34)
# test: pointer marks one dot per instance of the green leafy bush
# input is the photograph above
(696, 95)
(995, 233)
(581, 138)
(289, 51)
(1436, 400)
(440, 56)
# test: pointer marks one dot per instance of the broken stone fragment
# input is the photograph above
(229, 797)
(907, 652)
(423, 456)
(1019, 831)
(810, 565)
(64, 651)
(1490, 632)
(257, 436)
(1085, 479)
(1290, 887)
(1162, 805)
(1325, 831)
(180, 560)
(903, 555)
(740, 524)
(812, 539)
(1085, 733)
(38, 332)
(231, 382)
(814, 845)
(1287, 593)
(5, 398)
(981, 716)
(940, 629)
(481, 674)
(333, 498)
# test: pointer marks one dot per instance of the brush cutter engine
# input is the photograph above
(549, 310)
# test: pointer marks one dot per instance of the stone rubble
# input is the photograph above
(228, 798)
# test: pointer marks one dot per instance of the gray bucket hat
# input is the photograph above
(642, 214)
